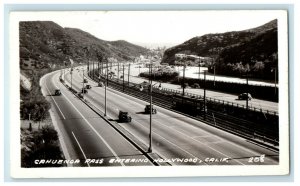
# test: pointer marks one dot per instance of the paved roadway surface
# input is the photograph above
(175, 137)
(84, 134)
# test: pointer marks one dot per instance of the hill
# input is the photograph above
(254, 50)
(45, 44)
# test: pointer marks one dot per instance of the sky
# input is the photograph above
(155, 28)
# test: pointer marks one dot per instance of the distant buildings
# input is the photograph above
(192, 60)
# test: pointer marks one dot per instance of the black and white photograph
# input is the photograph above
(149, 93)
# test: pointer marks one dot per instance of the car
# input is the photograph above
(245, 96)
(84, 90)
(124, 117)
(88, 86)
(147, 110)
(57, 92)
(85, 81)
(80, 95)
(101, 84)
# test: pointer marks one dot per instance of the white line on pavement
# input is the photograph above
(80, 147)
(55, 103)
(105, 142)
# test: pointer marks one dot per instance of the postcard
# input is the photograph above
(148, 93)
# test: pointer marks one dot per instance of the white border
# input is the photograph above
(178, 171)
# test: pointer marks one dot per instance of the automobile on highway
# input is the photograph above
(85, 81)
(124, 117)
(80, 95)
(57, 92)
(88, 86)
(147, 110)
(245, 96)
(101, 84)
(84, 90)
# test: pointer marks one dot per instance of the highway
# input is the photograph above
(85, 135)
(257, 103)
(177, 139)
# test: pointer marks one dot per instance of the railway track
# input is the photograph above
(223, 121)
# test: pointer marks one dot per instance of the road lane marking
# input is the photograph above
(55, 102)
(170, 142)
(104, 141)
(198, 141)
(80, 147)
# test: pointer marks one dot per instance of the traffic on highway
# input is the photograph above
(101, 126)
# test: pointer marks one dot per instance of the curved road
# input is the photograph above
(84, 135)
(177, 139)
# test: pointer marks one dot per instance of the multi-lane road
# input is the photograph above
(257, 103)
(176, 139)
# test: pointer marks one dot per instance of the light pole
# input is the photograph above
(151, 110)
(128, 73)
(214, 75)
(71, 72)
(82, 84)
(118, 71)
(204, 95)
(106, 86)
(183, 85)
(123, 77)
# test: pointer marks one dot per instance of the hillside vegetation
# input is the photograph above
(46, 44)
(253, 51)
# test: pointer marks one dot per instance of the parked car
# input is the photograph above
(147, 110)
(88, 86)
(84, 90)
(124, 117)
(85, 81)
(57, 92)
(80, 95)
(245, 96)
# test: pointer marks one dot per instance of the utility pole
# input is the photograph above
(150, 127)
(204, 95)
(82, 83)
(118, 71)
(106, 85)
(123, 77)
(247, 91)
(128, 73)
(183, 86)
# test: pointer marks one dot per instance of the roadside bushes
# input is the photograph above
(160, 76)
(37, 145)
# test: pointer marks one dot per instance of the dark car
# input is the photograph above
(84, 90)
(124, 117)
(245, 96)
(100, 84)
(85, 81)
(57, 92)
(147, 110)
(80, 95)
(88, 86)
